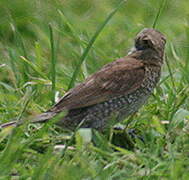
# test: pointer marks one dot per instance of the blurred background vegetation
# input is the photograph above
(24, 31)
(25, 67)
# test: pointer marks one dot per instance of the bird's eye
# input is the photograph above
(146, 43)
(143, 43)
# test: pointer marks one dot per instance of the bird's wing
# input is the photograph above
(120, 77)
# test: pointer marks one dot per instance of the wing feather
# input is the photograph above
(120, 77)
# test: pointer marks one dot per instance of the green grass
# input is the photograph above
(48, 46)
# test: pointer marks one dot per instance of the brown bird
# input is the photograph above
(119, 89)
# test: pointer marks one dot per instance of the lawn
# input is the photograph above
(47, 47)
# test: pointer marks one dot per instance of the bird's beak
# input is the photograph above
(133, 49)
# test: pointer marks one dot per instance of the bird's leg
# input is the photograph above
(125, 138)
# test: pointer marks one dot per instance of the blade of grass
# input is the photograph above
(34, 67)
(91, 42)
(170, 73)
(53, 64)
(7, 86)
(19, 40)
(7, 157)
(27, 99)
(38, 53)
(161, 8)
(13, 66)
(71, 28)
(70, 141)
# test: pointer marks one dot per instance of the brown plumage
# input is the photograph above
(120, 88)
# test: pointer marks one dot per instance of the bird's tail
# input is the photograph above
(44, 117)
(37, 119)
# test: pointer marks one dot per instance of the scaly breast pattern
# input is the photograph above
(97, 116)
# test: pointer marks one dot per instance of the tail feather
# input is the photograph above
(38, 119)
(43, 117)
(8, 124)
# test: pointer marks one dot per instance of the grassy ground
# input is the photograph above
(42, 45)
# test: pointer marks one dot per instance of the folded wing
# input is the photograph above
(120, 77)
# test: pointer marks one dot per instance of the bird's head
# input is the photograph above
(150, 41)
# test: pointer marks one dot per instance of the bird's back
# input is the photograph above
(120, 107)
